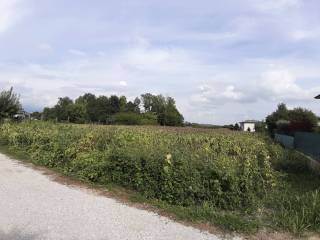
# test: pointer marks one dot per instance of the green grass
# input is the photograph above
(296, 207)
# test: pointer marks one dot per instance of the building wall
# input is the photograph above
(246, 126)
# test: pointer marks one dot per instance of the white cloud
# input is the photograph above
(225, 91)
(231, 93)
(10, 12)
(299, 35)
(281, 84)
(270, 5)
(123, 83)
(217, 96)
(45, 47)
(77, 52)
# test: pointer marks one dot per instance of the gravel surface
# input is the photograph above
(32, 206)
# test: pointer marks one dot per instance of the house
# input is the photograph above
(248, 125)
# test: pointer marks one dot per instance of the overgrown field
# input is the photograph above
(235, 180)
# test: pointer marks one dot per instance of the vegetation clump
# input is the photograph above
(148, 110)
(236, 180)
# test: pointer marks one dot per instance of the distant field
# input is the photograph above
(210, 175)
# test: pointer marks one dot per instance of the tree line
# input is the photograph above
(149, 109)
(287, 121)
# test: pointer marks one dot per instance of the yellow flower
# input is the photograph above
(168, 158)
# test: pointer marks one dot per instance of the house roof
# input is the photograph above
(250, 121)
(317, 97)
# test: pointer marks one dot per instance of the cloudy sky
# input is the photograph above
(223, 61)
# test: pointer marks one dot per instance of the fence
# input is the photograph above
(285, 140)
(307, 143)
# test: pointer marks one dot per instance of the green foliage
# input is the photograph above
(127, 118)
(9, 104)
(290, 121)
(115, 110)
(36, 115)
(302, 120)
(293, 162)
(261, 127)
(236, 180)
(298, 213)
(165, 109)
(181, 168)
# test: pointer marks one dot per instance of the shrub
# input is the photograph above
(127, 118)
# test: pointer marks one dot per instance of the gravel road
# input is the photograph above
(32, 207)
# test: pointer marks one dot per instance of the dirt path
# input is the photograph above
(33, 207)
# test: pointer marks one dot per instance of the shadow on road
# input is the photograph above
(17, 234)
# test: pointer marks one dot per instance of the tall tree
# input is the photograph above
(147, 101)
(62, 108)
(281, 114)
(102, 106)
(137, 103)
(122, 103)
(9, 104)
(88, 100)
(114, 104)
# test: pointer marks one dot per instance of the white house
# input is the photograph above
(248, 126)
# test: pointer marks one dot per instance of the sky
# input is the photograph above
(223, 61)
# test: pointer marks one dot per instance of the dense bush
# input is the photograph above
(129, 118)
(229, 170)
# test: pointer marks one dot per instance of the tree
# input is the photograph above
(302, 120)
(36, 115)
(172, 117)
(260, 127)
(130, 107)
(9, 104)
(77, 113)
(102, 106)
(62, 109)
(290, 121)
(282, 113)
(147, 101)
(165, 109)
(89, 108)
(236, 127)
(122, 103)
(114, 104)
(137, 103)
(49, 114)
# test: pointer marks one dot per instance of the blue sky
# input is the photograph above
(223, 61)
